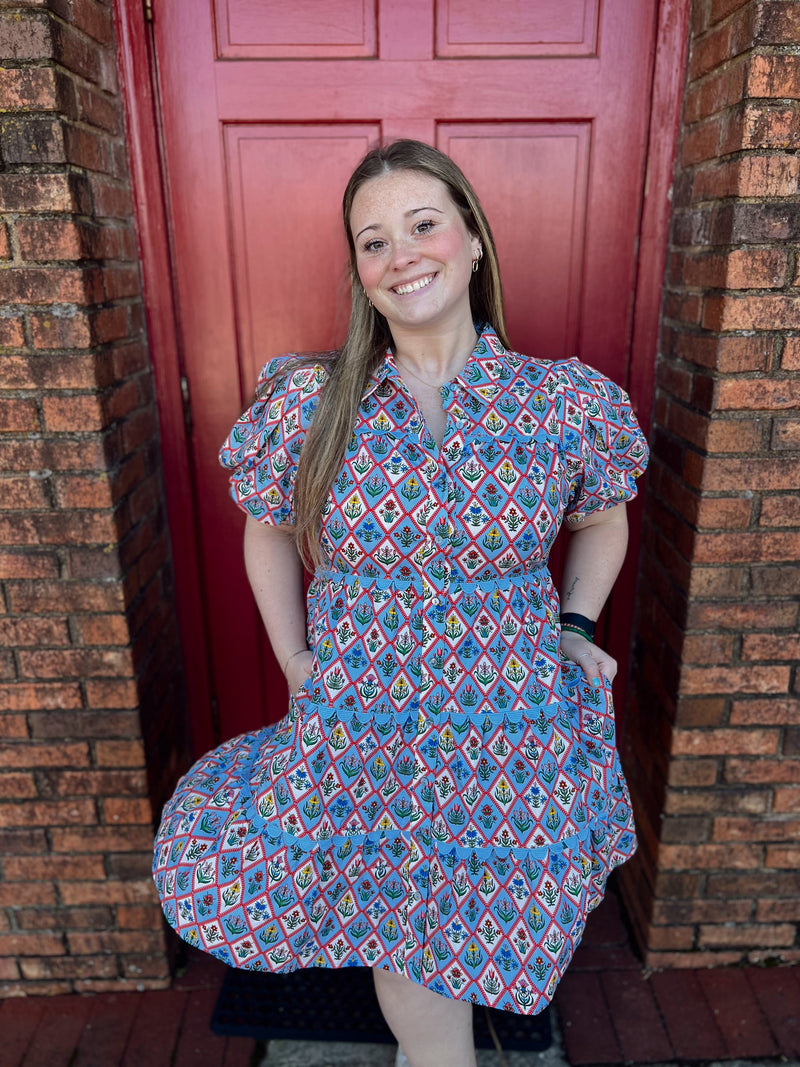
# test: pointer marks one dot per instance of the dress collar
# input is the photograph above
(482, 375)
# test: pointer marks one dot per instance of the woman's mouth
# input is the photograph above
(413, 287)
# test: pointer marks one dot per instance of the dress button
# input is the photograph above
(436, 601)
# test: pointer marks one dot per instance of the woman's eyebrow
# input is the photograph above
(407, 215)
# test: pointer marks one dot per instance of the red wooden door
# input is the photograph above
(267, 106)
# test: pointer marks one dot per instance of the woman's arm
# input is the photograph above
(595, 553)
(276, 577)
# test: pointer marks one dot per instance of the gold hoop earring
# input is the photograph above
(475, 264)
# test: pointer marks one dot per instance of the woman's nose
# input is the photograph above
(404, 252)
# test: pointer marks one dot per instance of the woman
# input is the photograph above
(443, 801)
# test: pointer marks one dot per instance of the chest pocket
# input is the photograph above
(514, 483)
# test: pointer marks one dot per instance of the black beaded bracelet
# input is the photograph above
(578, 623)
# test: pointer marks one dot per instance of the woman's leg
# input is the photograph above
(432, 1030)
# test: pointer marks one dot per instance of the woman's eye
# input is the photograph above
(425, 226)
(373, 246)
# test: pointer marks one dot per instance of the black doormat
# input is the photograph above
(319, 1004)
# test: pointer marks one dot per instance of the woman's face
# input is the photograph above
(414, 252)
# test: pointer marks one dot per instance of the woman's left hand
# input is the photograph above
(593, 661)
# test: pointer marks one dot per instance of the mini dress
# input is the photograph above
(444, 797)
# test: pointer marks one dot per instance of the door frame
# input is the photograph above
(139, 88)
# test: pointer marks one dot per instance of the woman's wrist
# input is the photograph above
(293, 656)
(574, 623)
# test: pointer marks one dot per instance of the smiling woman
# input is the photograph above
(443, 801)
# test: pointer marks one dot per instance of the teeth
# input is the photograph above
(414, 286)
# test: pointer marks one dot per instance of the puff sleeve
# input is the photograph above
(606, 450)
(263, 448)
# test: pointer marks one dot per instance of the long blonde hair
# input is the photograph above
(368, 335)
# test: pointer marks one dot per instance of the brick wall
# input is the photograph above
(714, 737)
(89, 695)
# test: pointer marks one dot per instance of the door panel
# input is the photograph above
(540, 238)
(509, 28)
(267, 107)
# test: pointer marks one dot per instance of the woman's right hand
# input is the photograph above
(298, 670)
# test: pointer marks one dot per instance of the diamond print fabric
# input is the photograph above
(444, 797)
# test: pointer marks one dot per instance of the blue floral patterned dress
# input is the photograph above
(444, 797)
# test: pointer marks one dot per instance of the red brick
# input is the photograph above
(59, 528)
(75, 371)
(102, 630)
(709, 857)
(770, 647)
(87, 724)
(786, 800)
(786, 434)
(787, 856)
(70, 330)
(35, 192)
(115, 941)
(777, 911)
(715, 582)
(23, 632)
(24, 696)
(13, 726)
(139, 918)
(717, 800)
(771, 312)
(73, 413)
(693, 772)
(780, 511)
(737, 475)
(128, 810)
(92, 663)
(75, 812)
(764, 126)
(755, 829)
(44, 285)
(12, 334)
(690, 960)
(720, 9)
(28, 564)
(107, 891)
(22, 494)
(69, 967)
(670, 937)
(734, 435)
(666, 912)
(119, 754)
(749, 393)
(747, 934)
(696, 680)
(26, 756)
(723, 513)
(764, 771)
(114, 783)
(84, 491)
(31, 945)
(28, 89)
(103, 839)
(791, 350)
(774, 76)
(19, 416)
(37, 597)
(37, 893)
(49, 239)
(32, 918)
(775, 581)
(722, 742)
(765, 713)
(743, 268)
(17, 786)
(112, 694)
(706, 648)
(699, 711)
(25, 36)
